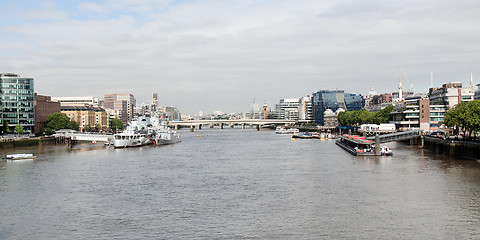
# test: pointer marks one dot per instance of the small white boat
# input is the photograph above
(283, 130)
(385, 151)
(20, 156)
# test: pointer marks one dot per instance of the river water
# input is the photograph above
(237, 184)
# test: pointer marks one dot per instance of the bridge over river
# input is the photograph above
(258, 123)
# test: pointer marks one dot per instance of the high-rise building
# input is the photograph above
(44, 106)
(17, 106)
(333, 100)
(124, 103)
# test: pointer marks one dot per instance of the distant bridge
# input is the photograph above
(220, 122)
(398, 136)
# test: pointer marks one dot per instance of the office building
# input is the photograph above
(451, 94)
(17, 105)
(418, 112)
(44, 106)
(172, 113)
(124, 103)
(287, 109)
(333, 100)
(305, 110)
(77, 101)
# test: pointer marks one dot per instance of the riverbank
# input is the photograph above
(26, 142)
(452, 148)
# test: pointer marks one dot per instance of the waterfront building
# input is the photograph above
(305, 110)
(17, 105)
(87, 117)
(124, 103)
(287, 109)
(333, 100)
(44, 106)
(451, 94)
(81, 101)
(417, 112)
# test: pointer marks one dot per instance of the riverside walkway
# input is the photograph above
(398, 136)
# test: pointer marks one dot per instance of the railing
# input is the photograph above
(399, 136)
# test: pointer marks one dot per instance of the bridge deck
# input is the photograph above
(398, 136)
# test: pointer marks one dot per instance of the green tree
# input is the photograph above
(116, 124)
(464, 118)
(5, 128)
(19, 129)
(57, 121)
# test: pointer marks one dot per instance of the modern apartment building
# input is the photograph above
(333, 100)
(17, 101)
(124, 103)
(44, 106)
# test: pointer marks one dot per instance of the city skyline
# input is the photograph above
(216, 55)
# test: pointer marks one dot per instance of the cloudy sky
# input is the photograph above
(222, 55)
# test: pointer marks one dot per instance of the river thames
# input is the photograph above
(237, 184)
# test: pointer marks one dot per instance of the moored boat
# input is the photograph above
(20, 156)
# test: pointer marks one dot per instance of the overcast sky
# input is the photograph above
(224, 54)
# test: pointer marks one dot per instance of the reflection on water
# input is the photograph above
(236, 184)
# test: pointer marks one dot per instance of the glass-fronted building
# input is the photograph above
(17, 101)
(333, 100)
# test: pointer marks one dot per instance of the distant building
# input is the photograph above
(124, 103)
(305, 110)
(418, 113)
(477, 92)
(87, 117)
(77, 101)
(17, 106)
(172, 113)
(287, 109)
(44, 106)
(333, 100)
(451, 94)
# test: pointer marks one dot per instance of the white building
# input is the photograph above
(287, 109)
(305, 110)
(82, 101)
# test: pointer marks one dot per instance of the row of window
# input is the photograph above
(17, 92)
(17, 98)
(16, 86)
(16, 80)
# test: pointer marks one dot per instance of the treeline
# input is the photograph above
(464, 118)
(357, 118)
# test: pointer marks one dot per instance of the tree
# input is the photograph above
(116, 124)
(352, 118)
(19, 129)
(464, 118)
(57, 121)
(5, 128)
